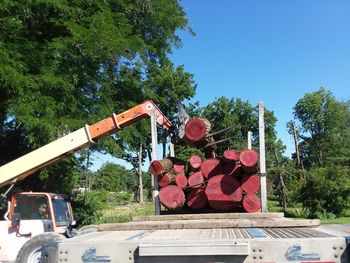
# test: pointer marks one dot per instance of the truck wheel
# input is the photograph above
(31, 250)
(87, 229)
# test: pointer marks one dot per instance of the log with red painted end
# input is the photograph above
(163, 180)
(196, 129)
(249, 160)
(196, 199)
(178, 165)
(250, 183)
(181, 181)
(223, 192)
(196, 180)
(251, 203)
(172, 197)
(231, 155)
(195, 162)
(212, 167)
(158, 167)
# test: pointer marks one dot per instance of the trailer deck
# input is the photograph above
(203, 245)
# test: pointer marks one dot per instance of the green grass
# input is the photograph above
(299, 212)
(125, 213)
(340, 220)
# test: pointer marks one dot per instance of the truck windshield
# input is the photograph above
(31, 206)
(61, 211)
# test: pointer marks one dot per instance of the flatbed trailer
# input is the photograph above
(205, 238)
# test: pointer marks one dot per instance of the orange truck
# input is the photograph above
(34, 219)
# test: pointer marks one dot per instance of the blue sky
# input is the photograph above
(270, 51)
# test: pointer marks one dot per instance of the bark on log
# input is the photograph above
(172, 197)
(223, 192)
(159, 167)
(251, 203)
(212, 167)
(250, 183)
(196, 180)
(197, 199)
(249, 160)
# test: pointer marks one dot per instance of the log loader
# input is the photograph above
(34, 219)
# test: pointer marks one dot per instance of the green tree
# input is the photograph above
(327, 192)
(67, 63)
(113, 177)
(324, 127)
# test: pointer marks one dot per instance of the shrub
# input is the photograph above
(88, 206)
(327, 192)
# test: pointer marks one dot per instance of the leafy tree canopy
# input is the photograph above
(67, 63)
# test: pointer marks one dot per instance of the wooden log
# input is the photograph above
(163, 180)
(178, 165)
(196, 180)
(195, 162)
(251, 203)
(250, 183)
(249, 160)
(158, 167)
(196, 129)
(231, 169)
(231, 156)
(196, 198)
(223, 192)
(212, 167)
(181, 181)
(172, 197)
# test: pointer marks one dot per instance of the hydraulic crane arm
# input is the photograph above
(42, 157)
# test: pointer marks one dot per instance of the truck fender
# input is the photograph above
(30, 252)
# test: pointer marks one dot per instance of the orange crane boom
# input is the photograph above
(77, 140)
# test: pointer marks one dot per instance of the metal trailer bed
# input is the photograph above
(290, 244)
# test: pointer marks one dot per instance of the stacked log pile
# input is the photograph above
(229, 183)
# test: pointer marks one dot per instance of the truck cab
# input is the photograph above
(54, 209)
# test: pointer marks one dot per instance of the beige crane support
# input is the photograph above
(28, 164)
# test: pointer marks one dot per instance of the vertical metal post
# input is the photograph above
(172, 149)
(155, 192)
(249, 139)
(263, 192)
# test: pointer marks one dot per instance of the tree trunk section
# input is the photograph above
(172, 197)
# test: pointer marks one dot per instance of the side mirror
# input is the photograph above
(15, 220)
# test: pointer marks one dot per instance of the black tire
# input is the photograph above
(31, 250)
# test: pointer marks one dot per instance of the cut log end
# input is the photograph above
(231, 155)
(155, 168)
(195, 162)
(248, 158)
(181, 181)
(251, 203)
(172, 197)
(195, 130)
(196, 180)
(250, 183)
